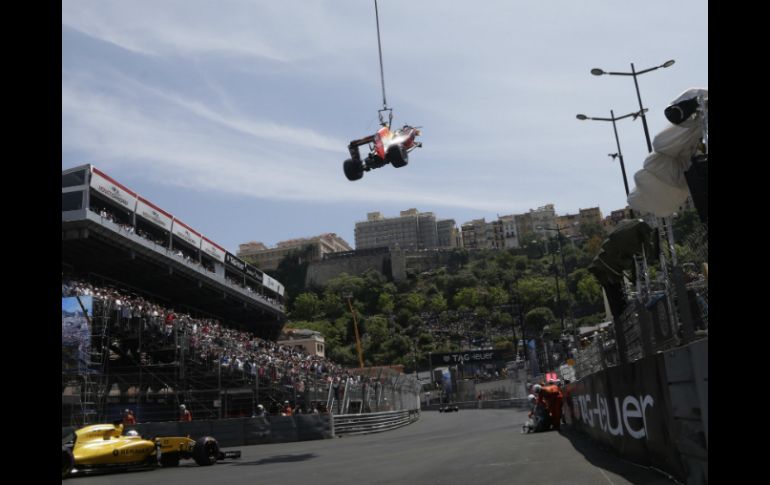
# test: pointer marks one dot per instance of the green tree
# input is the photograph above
(344, 284)
(685, 224)
(536, 319)
(590, 230)
(376, 334)
(593, 245)
(386, 303)
(495, 296)
(466, 297)
(536, 291)
(306, 306)
(457, 259)
(415, 302)
(589, 291)
(437, 304)
(333, 305)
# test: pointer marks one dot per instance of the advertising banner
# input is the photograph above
(111, 189)
(186, 233)
(235, 263)
(467, 357)
(213, 250)
(75, 333)
(628, 408)
(254, 273)
(273, 284)
(153, 214)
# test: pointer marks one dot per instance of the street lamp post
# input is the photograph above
(564, 268)
(677, 272)
(598, 72)
(613, 119)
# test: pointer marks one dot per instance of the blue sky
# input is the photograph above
(235, 115)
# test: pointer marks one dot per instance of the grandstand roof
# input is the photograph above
(102, 251)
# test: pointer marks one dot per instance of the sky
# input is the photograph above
(235, 115)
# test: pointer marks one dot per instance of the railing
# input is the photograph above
(660, 315)
(357, 424)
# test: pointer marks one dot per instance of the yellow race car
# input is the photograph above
(103, 447)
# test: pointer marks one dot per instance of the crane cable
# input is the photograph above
(382, 72)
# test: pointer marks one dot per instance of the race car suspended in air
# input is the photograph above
(385, 146)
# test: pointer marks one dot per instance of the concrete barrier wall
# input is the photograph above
(653, 411)
(319, 272)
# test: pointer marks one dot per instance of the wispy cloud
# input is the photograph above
(184, 154)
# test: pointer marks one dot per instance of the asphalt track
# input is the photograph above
(469, 447)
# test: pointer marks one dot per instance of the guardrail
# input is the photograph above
(486, 404)
(356, 424)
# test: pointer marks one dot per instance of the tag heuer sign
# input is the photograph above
(467, 357)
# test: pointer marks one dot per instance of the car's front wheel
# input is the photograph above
(206, 451)
(397, 156)
(353, 171)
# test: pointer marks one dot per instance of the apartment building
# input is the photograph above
(412, 229)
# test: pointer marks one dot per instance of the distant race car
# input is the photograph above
(449, 408)
(385, 146)
(104, 447)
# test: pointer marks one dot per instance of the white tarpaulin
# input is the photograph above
(661, 187)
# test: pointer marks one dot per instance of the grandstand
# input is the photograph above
(123, 248)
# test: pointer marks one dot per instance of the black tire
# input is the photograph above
(206, 451)
(169, 459)
(397, 156)
(353, 171)
(67, 462)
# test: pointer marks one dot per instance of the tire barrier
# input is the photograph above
(357, 424)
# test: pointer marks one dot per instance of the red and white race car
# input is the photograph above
(385, 147)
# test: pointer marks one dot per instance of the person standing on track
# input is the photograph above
(552, 397)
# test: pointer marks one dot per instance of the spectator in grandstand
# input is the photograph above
(128, 417)
(286, 411)
(184, 413)
(261, 412)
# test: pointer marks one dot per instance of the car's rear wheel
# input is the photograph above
(206, 451)
(67, 461)
(169, 459)
(353, 170)
(397, 156)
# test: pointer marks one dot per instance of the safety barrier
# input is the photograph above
(278, 429)
(356, 424)
(653, 412)
(520, 403)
